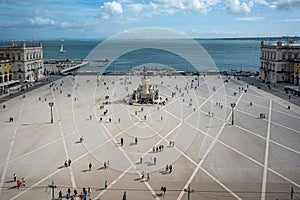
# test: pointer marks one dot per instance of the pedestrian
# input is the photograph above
(170, 169)
(90, 166)
(66, 163)
(69, 191)
(153, 149)
(119, 120)
(23, 181)
(124, 195)
(141, 160)
(104, 165)
(69, 162)
(164, 190)
(15, 177)
(143, 174)
(136, 140)
(105, 184)
(59, 195)
(154, 160)
(81, 195)
(107, 164)
(90, 117)
(167, 167)
(18, 184)
(148, 177)
(89, 191)
(122, 141)
(145, 117)
(75, 192)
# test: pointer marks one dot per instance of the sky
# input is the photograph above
(98, 19)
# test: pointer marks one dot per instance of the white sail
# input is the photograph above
(62, 49)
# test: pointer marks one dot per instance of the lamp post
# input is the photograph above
(189, 191)
(51, 105)
(232, 116)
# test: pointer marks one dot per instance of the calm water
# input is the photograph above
(227, 54)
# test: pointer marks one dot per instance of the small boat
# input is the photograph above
(62, 49)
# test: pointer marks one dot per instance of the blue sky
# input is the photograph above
(42, 19)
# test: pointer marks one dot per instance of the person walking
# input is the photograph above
(23, 181)
(15, 177)
(154, 160)
(124, 195)
(143, 174)
(148, 177)
(75, 192)
(60, 195)
(135, 140)
(18, 184)
(122, 141)
(141, 160)
(90, 166)
(69, 162)
(105, 184)
(170, 169)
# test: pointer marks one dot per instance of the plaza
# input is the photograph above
(254, 158)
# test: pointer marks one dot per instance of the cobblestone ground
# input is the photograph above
(254, 158)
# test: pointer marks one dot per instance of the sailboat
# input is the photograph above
(62, 49)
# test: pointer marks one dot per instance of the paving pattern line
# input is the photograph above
(64, 142)
(298, 131)
(36, 149)
(208, 151)
(253, 160)
(262, 137)
(115, 181)
(264, 182)
(11, 148)
(132, 165)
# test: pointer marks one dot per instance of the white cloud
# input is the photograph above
(111, 9)
(285, 4)
(39, 21)
(238, 7)
(136, 8)
(66, 24)
(249, 18)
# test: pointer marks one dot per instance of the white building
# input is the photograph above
(27, 62)
(278, 63)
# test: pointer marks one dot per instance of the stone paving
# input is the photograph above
(256, 158)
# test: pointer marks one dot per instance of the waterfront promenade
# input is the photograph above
(255, 158)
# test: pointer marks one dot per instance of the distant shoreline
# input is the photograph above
(296, 38)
